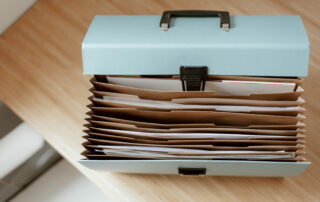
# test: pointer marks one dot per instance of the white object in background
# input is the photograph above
(62, 183)
(17, 147)
(11, 10)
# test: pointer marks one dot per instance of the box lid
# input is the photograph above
(254, 46)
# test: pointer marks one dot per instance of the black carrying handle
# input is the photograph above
(224, 17)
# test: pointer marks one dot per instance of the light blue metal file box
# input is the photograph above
(275, 46)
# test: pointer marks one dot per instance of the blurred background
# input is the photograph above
(26, 172)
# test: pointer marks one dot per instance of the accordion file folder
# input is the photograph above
(196, 93)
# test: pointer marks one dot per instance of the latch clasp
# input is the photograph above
(192, 171)
(193, 78)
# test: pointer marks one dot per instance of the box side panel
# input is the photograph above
(252, 61)
(214, 168)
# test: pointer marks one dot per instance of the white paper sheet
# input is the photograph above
(224, 87)
(171, 105)
(217, 136)
(182, 150)
(142, 154)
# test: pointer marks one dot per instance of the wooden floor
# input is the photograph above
(41, 80)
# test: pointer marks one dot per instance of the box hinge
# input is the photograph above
(193, 78)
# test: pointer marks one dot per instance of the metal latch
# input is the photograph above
(193, 78)
(192, 171)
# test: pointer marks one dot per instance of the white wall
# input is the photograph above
(11, 10)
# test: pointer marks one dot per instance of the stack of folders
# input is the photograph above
(234, 118)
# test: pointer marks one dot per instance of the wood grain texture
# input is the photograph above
(41, 80)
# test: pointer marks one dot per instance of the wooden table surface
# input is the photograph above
(41, 80)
